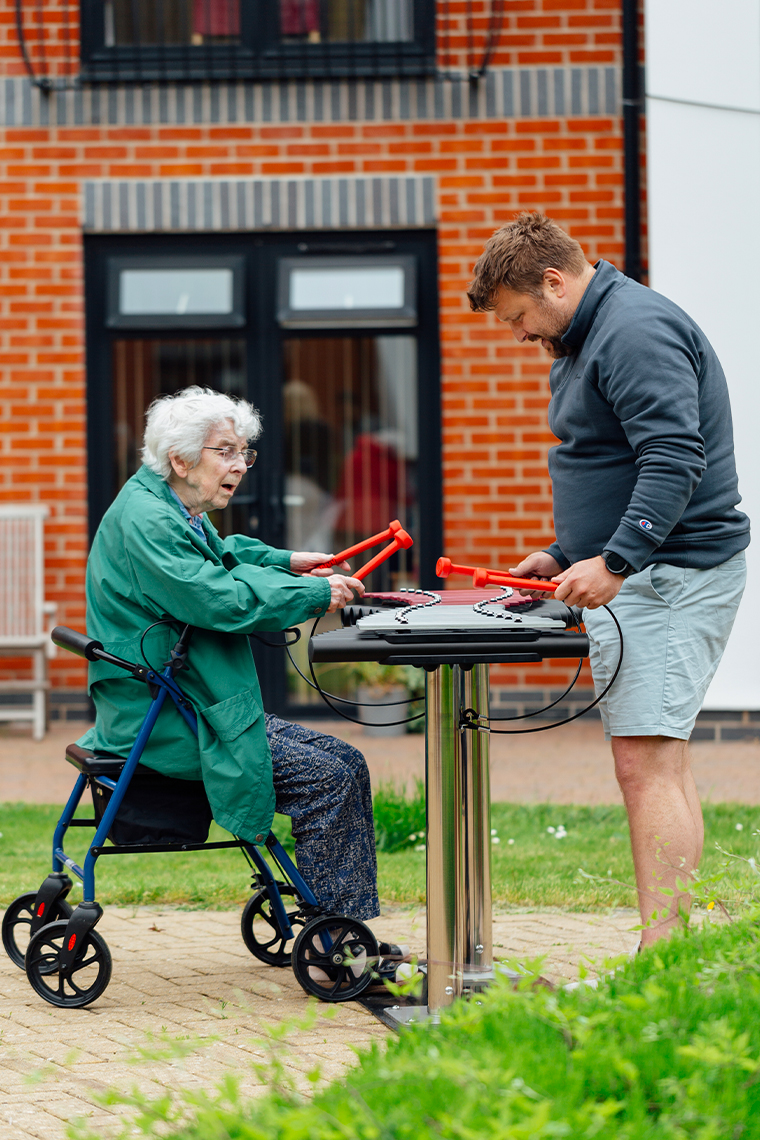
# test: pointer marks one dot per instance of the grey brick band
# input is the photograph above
(258, 204)
(505, 93)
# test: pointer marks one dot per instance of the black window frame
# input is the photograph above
(234, 319)
(259, 56)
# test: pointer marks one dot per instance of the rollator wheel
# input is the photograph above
(260, 931)
(334, 957)
(18, 919)
(90, 973)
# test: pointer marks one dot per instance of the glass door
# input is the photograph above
(146, 367)
(350, 447)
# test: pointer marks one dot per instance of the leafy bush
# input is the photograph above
(668, 1048)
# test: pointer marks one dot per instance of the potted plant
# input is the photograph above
(381, 694)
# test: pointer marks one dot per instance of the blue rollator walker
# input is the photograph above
(68, 963)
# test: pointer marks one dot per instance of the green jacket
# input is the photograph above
(146, 563)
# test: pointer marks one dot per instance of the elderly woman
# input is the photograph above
(155, 556)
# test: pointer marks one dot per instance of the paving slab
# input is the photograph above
(185, 979)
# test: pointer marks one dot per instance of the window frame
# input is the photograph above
(259, 56)
(404, 316)
(235, 318)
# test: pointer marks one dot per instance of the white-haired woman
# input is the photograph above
(156, 555)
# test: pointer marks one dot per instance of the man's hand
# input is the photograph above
(537, 565)
(341, 591)
(308, 561)
(588, 584)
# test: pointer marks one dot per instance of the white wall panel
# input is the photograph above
(704, 233)
(704, 51)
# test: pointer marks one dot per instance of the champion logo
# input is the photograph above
(645, 524)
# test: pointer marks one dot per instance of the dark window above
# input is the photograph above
(134, 40)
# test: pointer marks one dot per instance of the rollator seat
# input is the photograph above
(155, 808)
(95, 763)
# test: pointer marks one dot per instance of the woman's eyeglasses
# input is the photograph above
(229, 454)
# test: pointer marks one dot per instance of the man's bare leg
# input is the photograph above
(655, 777)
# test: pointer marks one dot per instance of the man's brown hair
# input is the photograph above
(517, 255)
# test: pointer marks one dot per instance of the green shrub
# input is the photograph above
(666, 1049)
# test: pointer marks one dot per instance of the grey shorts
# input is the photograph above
(675, 625)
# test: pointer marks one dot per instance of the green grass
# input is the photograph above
(666, 1049)
(536, 870)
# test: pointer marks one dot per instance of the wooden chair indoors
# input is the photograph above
(26, 619)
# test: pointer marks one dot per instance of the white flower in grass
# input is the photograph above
(495, 839)
(740, 827)
(560, 833)
(510, 841)
(551, 830)
(494, 831)
(420, 847)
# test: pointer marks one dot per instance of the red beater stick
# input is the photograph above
(481, 577)
(401, 541)
(391, 530)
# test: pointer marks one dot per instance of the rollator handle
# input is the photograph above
(390, 531)
(481, 577)
(76, 642)
(401, 541)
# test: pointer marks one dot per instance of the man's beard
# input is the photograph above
(556, 327)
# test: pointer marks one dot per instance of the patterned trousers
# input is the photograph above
(323, 785)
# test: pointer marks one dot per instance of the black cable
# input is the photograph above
(145, 632)
(280, 644)
(545, 708)
(344, 700)
(473, 727)
(323, 695)
(561, 697)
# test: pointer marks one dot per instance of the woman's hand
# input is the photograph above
(341, 591)
(310, 562)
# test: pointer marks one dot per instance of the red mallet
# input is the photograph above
(401, 541)
(391, 531)
(481, 577)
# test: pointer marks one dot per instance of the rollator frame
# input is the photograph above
(337, 943)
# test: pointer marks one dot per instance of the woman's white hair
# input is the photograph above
(182, 423)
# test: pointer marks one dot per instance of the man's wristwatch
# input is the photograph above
(616, 564)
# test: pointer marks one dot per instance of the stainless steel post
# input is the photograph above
(442, 749)
(474, 943)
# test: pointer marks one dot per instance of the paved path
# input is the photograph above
(181, 974)
(571, 765)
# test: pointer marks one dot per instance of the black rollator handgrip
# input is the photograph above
(76, 642)
(93, 650)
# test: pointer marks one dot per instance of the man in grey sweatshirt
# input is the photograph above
(645, 501)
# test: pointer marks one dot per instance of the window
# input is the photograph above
(172, 292)
(256, 39)
(347, 292)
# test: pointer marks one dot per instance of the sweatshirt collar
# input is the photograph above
(605, 281)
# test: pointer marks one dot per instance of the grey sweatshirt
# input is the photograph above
(645, 466)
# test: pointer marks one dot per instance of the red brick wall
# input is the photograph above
(497, 493)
